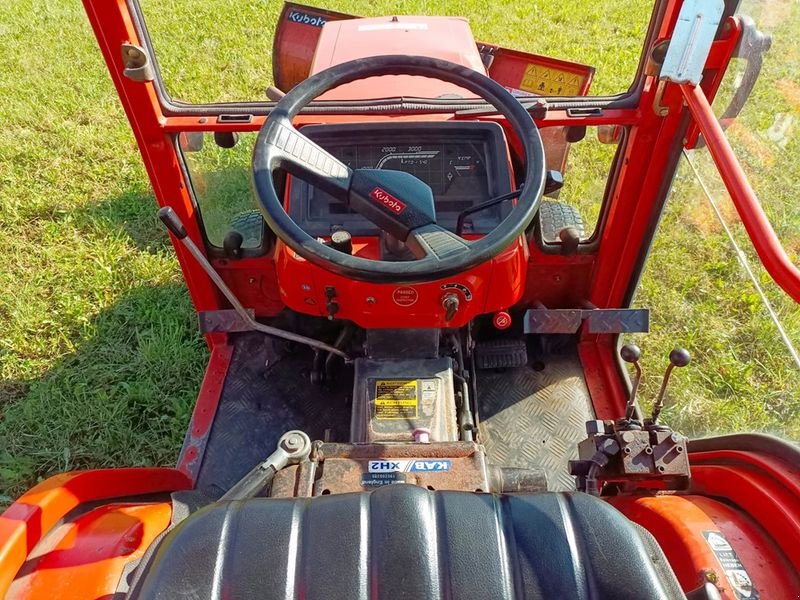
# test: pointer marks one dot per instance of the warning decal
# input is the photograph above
(547, 81)
(396, 399)
(734, 569)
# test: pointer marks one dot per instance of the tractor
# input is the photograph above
(417, 384)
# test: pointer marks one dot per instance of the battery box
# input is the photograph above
(392, 399)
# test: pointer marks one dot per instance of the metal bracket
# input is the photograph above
(598, 320)
(691, 41)
(138, 66)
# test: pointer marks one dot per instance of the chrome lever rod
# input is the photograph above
(174, 224)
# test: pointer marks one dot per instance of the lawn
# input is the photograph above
(100, 359)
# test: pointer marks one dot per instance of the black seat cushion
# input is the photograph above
(402, 541)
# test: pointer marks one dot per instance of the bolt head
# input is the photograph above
(595, 427)
(628, 436)
(292, 442)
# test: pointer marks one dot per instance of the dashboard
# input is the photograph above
(464, 163)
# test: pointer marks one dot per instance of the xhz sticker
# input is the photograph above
(409, 466)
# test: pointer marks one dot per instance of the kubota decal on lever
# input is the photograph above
(383, 197)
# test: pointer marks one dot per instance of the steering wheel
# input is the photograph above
(397, 202)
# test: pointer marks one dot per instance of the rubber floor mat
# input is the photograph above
(266, 394)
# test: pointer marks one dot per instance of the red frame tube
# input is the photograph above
(756, 223)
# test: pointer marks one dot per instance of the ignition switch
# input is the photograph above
(450, 303)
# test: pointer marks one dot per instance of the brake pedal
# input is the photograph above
(501, 354)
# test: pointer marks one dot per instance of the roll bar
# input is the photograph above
(760, 231)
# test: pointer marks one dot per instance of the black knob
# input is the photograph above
(680, 357)
(630, 353)
(342, 241)
(554, 181)
(226, 139)
(570, 240)
(232, 244)
(172, 221)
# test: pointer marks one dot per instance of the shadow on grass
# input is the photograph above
(123, 398)
(222, 194)
(132, 213)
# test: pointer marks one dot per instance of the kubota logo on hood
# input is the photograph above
(386, 199)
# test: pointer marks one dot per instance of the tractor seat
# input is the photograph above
(402, 541)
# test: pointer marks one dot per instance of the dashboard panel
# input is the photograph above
(464, 163)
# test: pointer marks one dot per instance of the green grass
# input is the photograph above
(100, 359)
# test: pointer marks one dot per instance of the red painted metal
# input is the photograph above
(295, 41)
(754, 219)
(783, 472)
(678, 523)
(84, 558)
(765, 486)
(300, 27)
(553, 118)
(113, 25)
(775, 507)
(205, 410)
(759, 486)
(510, 68)
(492, 286)
(601, 371)
(440, 37)
(31, 517)
(720, 55)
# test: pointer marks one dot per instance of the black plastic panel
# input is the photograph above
(402, 541)
(465, 163)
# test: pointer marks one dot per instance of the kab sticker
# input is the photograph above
(409, 466)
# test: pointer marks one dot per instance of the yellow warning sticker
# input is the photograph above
(396, 399)
(547, 81)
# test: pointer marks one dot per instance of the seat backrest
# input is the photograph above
(402, 541)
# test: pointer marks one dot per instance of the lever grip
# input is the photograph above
(172, 221)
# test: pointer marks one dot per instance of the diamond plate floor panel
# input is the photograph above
(259, 403)
(535, 419)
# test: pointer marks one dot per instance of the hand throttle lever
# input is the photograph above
(175, 225)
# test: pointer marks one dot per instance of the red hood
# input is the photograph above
(448, 38)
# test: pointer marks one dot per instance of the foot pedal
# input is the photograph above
(501, 354)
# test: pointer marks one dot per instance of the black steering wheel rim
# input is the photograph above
(270, 153)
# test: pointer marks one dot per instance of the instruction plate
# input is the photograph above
(396, 399)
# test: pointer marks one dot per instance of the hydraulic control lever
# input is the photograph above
(679, 357)
(175, 225)
(293, 447)
(631, 353)
(633, 451)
